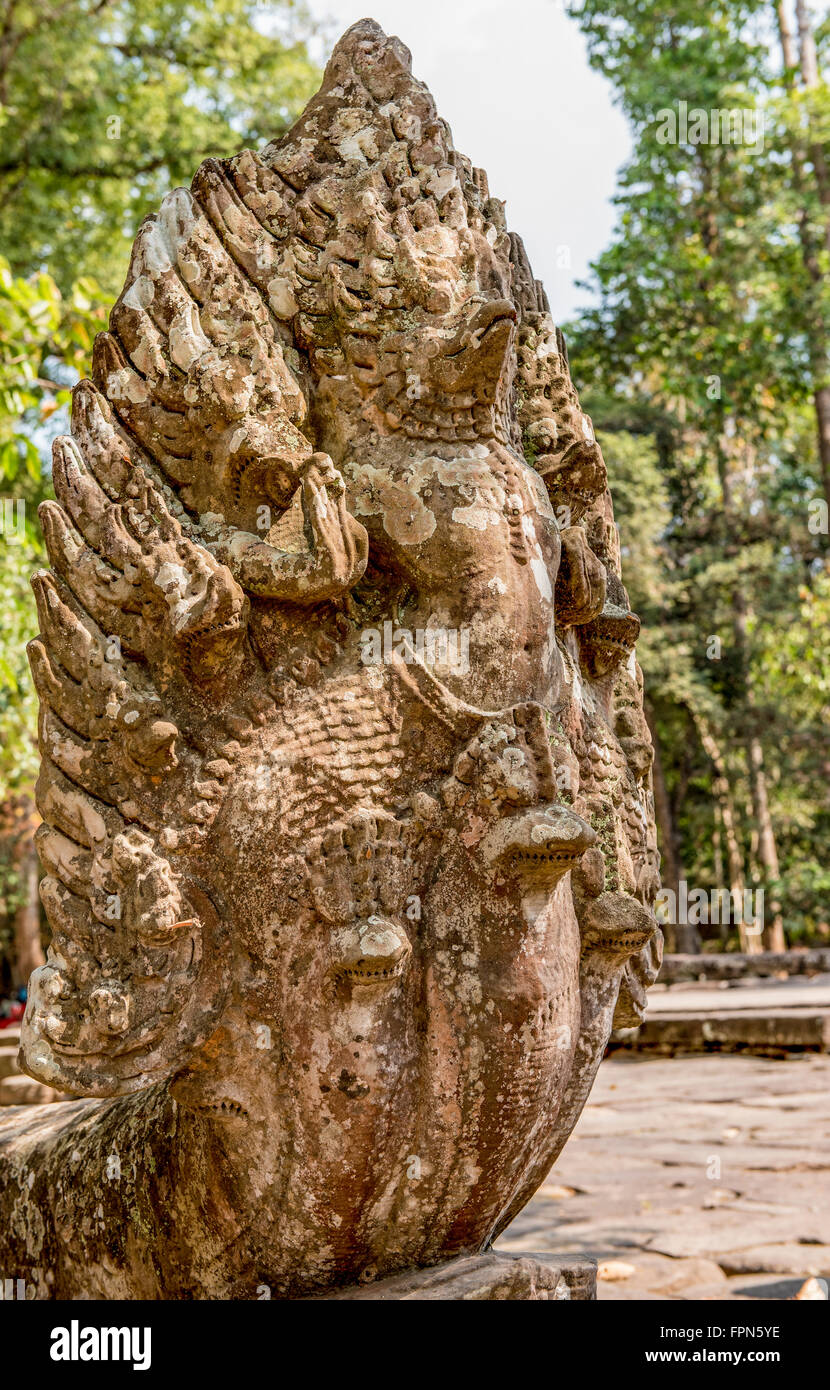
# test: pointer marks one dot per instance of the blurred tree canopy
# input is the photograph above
(705, 366)
(45, 344)
(107, 104)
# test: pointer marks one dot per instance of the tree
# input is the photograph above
(805, 118)
(45, 343)
(107, 104)
(707, 339)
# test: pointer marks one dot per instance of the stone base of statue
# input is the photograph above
(493, 1275)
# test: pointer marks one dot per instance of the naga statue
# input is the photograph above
(348, 834)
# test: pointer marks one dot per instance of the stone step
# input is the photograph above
(767, 1033)
(10, 1037)
(22, 1090)
(8, 1060)
(757, 996)
(733, 965)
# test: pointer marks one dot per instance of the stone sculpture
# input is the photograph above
(348, 832)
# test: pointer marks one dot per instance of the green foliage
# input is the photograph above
(18, 703)
(107, 104)
(44, 340)
(699, 362)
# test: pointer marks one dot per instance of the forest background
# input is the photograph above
(703, 359)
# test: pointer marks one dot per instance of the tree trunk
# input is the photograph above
(750, 941)
(821, 401)
(774, 939)
(717, 861)
(763, 853)
(808, 63)
(814, 332)
(806, 45)
(680, 936)
(787, 44)
(810, 78)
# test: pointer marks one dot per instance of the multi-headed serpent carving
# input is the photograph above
(343, 938)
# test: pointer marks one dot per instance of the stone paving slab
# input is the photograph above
(709, 1176)
(491, 1277)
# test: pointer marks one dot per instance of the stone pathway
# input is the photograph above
(703, 1177)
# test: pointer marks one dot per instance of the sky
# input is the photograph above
(512, 79)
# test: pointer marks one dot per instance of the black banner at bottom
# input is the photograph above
(79, 1340)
